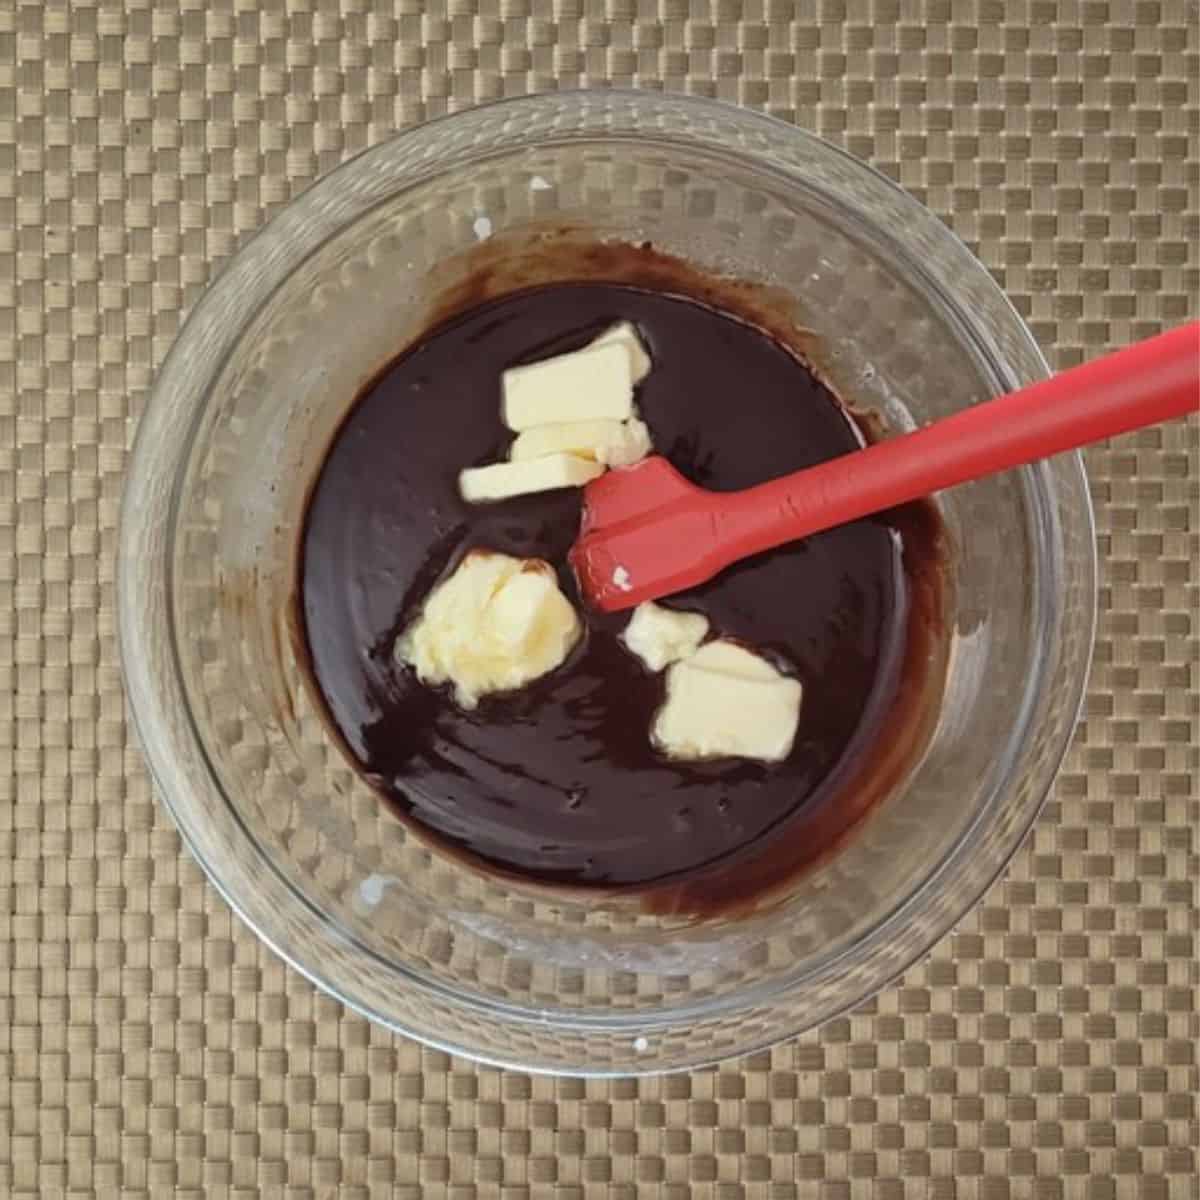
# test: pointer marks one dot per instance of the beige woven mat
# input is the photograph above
(147, 1042)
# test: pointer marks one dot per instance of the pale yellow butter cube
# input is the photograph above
(660, 636)
(613, 443)
(595, 383)
(495, 624)
(499, 481)
(725, 702)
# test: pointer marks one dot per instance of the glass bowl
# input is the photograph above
(906, 322)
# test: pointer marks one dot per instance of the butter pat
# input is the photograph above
(631, 446)
(573, 415)
(595, 383)
(659, 636)
(725, 702)
(499, 481)
(495, 624)
(624, 334)
(613, 443)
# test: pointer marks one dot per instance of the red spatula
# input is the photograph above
(648, 532)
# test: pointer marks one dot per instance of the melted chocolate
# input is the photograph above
(559, 781)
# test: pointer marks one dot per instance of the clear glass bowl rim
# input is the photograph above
(144, 691)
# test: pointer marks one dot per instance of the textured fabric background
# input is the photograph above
(148, 1043)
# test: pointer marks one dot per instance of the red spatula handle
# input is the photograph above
(1149, 382)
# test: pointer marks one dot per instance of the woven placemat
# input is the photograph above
(149, 1044)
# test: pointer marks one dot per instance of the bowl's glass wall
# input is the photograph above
(908, 324)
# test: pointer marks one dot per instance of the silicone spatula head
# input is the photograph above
(643, 516)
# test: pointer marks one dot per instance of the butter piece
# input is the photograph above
(624, 333)
(630, 447)
(613, 443)
(595, 383)
(725, 702)
(495, 624)
(498, 481)
(659, 636)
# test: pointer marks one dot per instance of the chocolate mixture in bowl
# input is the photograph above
(559, 781)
